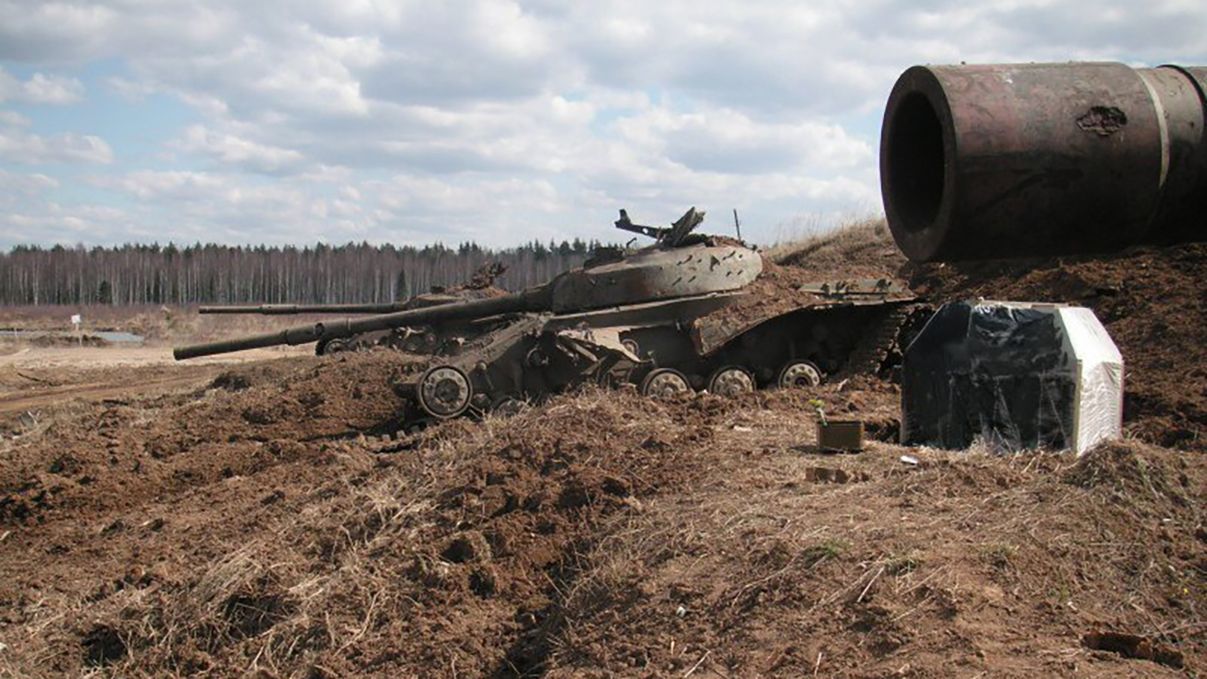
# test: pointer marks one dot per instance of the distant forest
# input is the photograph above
(216, 274)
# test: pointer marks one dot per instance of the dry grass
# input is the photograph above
(768, 581)
(843, 240)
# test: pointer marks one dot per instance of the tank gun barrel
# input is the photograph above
(294, 309)
(534, 299)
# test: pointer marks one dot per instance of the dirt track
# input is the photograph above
(94, 391)
(39, 377)
(251, 519)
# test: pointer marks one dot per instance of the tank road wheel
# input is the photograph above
(665, 383)
(798, 374)
(444, 391)
(730, 381)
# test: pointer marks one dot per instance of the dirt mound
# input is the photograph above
(334, 557)
(1132, 471)
(64, 340)
(1152, 302)
(600, 534)
(995, 566)
(859, 250)
(249, 417)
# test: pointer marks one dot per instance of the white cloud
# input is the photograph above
(44, 89)
(400, 209)
(40, 89)
(236, 151)
(90, 224)
(507, 120)
(13, 119)
(723, 140)
(17, 190)
(175, 185)
(21, 147)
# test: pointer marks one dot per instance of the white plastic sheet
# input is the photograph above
(1099, 378)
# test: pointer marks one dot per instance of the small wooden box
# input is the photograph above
(846, 435)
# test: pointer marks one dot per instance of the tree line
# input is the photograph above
(224, 274)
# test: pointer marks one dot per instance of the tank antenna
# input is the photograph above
(737, 225)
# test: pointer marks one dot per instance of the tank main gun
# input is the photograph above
(1041, 160)
(533, 299)
(295, 309)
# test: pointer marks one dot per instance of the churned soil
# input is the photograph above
(863, 251)
(247, 527)
(267, 519)
(1151, 300)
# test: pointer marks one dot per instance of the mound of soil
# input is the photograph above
(863, 251)
(115, 454)
(317, 554)
(1151, 301)
(67, 341)
(601, 534)
(991, 566)
(261, 524)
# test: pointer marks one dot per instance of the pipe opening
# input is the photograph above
(916, 162)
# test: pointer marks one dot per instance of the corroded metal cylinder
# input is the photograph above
(1043, 159)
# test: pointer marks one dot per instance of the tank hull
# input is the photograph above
(537, 355)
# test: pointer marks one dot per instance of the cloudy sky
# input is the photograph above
(498, 121)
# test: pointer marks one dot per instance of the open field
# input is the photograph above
(253, 515)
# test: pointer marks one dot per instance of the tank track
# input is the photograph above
(882, 341)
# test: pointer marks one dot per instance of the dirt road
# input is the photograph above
(32, 378)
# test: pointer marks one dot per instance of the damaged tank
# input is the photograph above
(673, 317)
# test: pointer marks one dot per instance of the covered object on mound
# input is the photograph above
(1018, 375)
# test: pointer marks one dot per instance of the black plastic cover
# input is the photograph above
(995, 372)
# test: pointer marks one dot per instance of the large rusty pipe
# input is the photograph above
(1043, 159)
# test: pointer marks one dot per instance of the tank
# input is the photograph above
(420, 340)
(1025, 160)
(677, 316)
